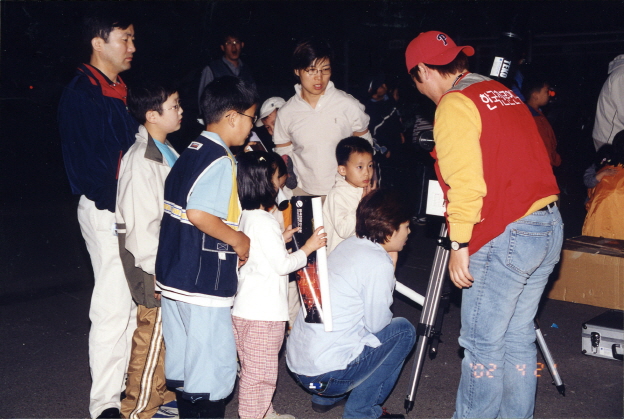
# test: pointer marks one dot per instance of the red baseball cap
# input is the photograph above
(435, 48)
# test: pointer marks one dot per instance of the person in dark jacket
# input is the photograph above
(96, 130)
(229, 64)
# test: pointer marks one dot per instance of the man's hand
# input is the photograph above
(458, 268)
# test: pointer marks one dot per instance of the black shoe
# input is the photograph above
(111, 412)
(387, 415)
(209, 409)
(186, 409)
(322, 408)
(200, 409)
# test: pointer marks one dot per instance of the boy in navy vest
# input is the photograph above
(199, 251)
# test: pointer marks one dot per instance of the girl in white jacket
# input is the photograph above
(261, 304)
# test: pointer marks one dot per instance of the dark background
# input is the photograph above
(42, 250)
(45, 273)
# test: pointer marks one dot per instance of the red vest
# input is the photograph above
(516, 167)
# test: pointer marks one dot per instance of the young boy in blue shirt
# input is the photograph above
(139, 208)
(199, 251)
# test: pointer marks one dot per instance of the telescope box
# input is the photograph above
(591, 272)
(603, 336)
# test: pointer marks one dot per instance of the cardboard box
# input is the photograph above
(591, 272)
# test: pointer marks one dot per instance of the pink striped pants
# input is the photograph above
(258, 344)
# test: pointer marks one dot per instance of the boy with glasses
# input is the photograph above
(199, 251)
(139, 209)
(310, 125)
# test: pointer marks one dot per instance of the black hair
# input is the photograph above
(101, 25)
(604, 156)
(225, 94)
(310, 50)
(281, 165)
(255, 180)
(618, 149)
(230, 34)
(350, 145)
(148, 96)
(380, 214)
(532, 84)
(459, 63)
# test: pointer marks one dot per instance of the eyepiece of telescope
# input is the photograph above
(425, 140)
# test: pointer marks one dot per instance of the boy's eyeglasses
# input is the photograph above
(314, 71)
(176, 107)
(232, 42)
(253, 118)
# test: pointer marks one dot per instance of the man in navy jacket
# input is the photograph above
(96, 130)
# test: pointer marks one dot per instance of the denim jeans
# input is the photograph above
(510, 272)
(369, 377)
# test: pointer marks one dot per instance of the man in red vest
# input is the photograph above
(505, 229)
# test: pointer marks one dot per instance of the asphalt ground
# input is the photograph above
(44, 368)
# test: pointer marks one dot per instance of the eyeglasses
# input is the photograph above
(312, 71)
(253, 118)
(176, 107)
(232, 42)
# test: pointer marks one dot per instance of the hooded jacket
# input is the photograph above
(610, 109)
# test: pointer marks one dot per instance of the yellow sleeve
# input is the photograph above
(457, 131)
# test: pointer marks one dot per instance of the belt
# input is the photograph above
(549, 206)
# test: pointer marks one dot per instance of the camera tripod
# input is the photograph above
(434, 304)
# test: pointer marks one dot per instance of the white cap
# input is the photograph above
(269, 106)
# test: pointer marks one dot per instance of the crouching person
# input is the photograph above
(358, 363)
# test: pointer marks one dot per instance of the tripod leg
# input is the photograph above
(445, 301)
(550, 362)
(428, 317)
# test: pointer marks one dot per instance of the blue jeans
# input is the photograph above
(369, 377)
(201, 353)
(510, 272)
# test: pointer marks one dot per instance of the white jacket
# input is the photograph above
(140, 198)
(610, 110)
(263, 281)
(339, 212)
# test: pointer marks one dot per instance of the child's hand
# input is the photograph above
(156, 293)
(315, 242)
(368, 189)
(241, 248)
(289, 233)
(611, 171)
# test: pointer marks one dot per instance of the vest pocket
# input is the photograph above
(218, 263)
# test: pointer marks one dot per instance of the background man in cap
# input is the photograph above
(505, 229)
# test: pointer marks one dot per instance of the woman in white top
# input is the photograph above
(310, 125)
(261, 304)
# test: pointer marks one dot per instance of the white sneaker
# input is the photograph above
(274, 415)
